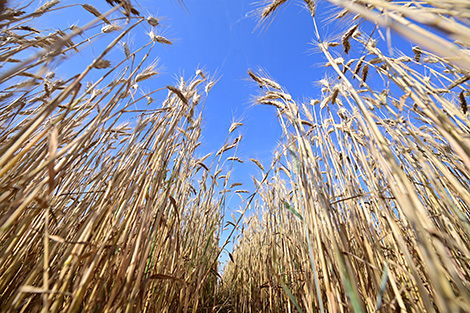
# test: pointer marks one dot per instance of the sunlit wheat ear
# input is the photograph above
(153, 21)
(125, 47)
(102, 64)
(258, 163)
(255, 78)
(201, 73)
(242, 191)
(159, 38)
(337, 61)
(463, 102)
(264, 81)
(147, 73)
(46, 7)
(195, 83)
(347, 36)
(235, 184)
(235, 159)
(234, 126)
(163, 40)
(226, 147)
(311, 7)
(271, 7)
(95, 12)
(365, 72)
(178, 92)
(110, 28)
(209, 86)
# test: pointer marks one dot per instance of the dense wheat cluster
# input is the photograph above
(368, 208)
(108, 207)
(104, 207)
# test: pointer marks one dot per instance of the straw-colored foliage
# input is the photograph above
(106, 205)
(368, 208)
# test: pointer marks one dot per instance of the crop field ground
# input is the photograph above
(106, 204)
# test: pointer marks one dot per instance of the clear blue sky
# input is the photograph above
(221, 36)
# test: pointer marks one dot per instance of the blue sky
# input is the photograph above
(221, 37)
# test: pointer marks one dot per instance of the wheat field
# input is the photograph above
(108, 207)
